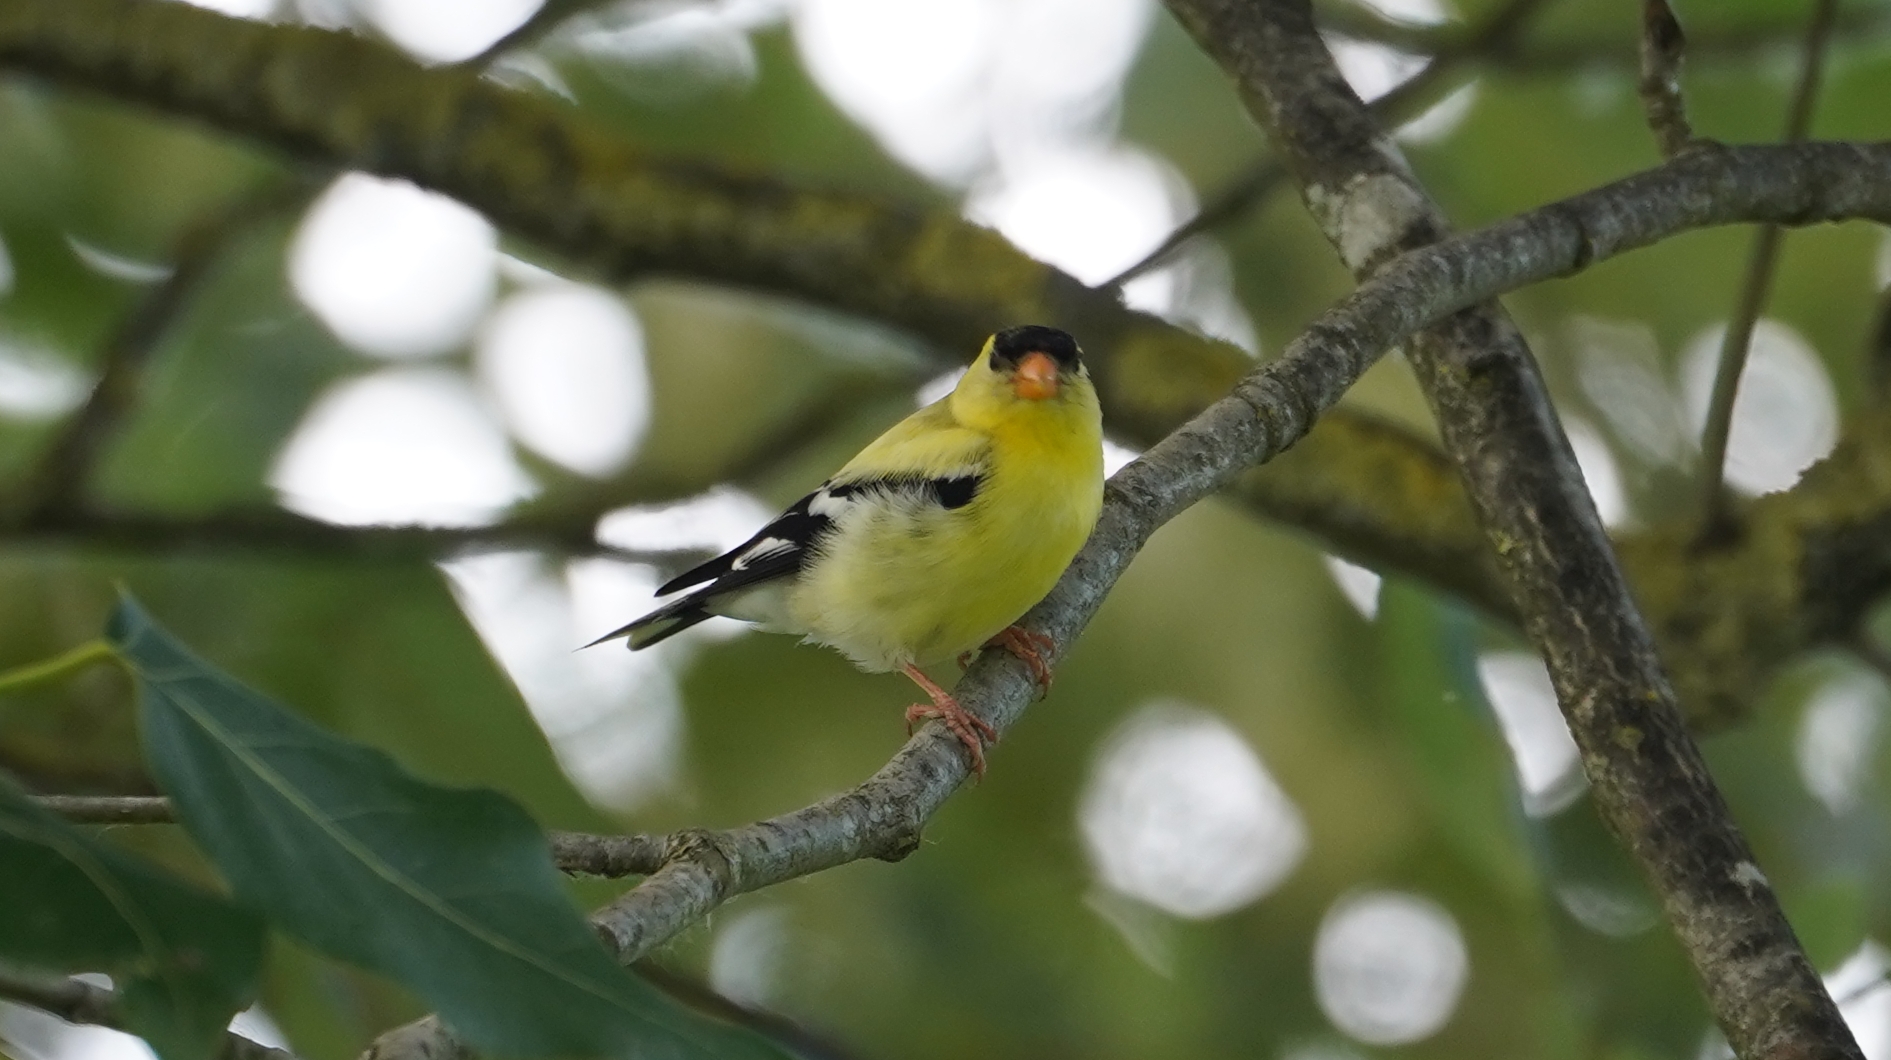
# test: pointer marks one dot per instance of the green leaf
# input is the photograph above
(450, 891)
(185, 960)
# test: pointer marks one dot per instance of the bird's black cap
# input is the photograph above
(1013, 343)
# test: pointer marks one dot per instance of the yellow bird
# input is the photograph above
(935, 539)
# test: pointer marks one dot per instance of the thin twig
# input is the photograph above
(77, 1001)
(1662, 48)
(109, 809)
(1498, 33)
(1754, 289)
(577, 853)
(1247, 190)
(57, 482)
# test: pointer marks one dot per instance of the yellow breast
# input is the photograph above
(921, 584)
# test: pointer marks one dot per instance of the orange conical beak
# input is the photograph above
(1036, 377)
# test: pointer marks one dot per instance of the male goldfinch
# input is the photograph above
(936, 538)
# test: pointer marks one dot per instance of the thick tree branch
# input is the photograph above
(1268, 411)
(77, 1001)
(1646, 774)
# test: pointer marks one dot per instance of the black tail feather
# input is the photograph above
(661, 624)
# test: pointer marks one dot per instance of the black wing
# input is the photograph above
(783, 547)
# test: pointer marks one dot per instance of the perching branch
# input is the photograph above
(77, 1001)
(1758, 283)
(1648, 779)
(1268, 411)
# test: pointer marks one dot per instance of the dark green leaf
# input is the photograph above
(185, 959)
(450, 891)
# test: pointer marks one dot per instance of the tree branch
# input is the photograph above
(1647, 776)
(1268, 411)
(77, 1001)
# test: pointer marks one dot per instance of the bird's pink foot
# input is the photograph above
(971, 730)
(1031, 647)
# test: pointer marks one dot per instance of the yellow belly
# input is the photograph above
(921, 586)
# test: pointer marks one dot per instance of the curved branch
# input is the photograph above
(1269, 410)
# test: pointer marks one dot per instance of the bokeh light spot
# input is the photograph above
(446, 31)
(746, 958)
(1548, 764)
(1599, 471)
(393, 270)
(1179, 813)
(398, 446)
(1359, 585)
(1389, 966)
(1786, 415)
(717, 520)
(1618, 366)
(566, 365)
(255, 9)
(1091, 214)
(1838, 740)
(36, 385)
(614, 718)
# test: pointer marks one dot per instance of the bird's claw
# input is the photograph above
(1031, 647)
(972, 731)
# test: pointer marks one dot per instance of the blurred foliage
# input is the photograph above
(996, 939)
